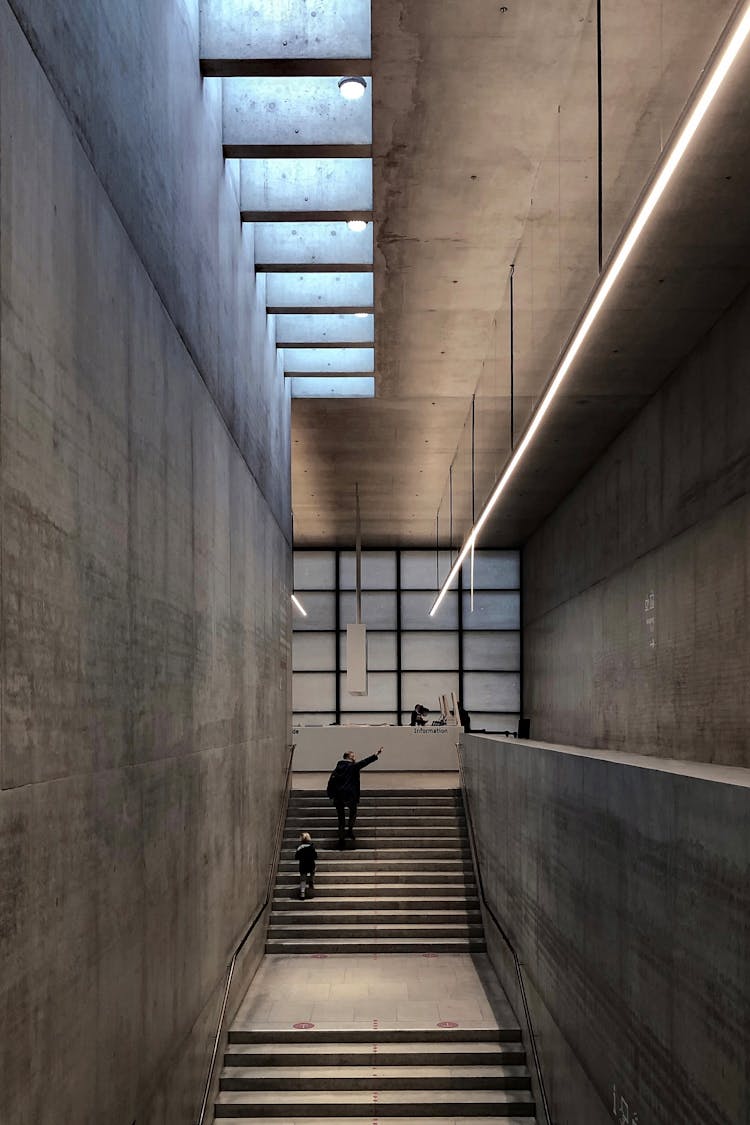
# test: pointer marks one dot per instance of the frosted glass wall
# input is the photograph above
(472, 646)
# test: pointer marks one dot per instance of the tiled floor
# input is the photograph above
(375, 778)
(374, 990)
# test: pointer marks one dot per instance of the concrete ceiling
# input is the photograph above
(485, 154)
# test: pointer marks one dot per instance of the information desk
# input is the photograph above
(404, 748)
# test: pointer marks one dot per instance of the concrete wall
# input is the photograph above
(625, 891)
(146, 565)
(636, 592)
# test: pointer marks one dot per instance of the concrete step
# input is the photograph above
(376, 808)
(345, 1054)
(374, 945)
(326, 876)
(280, 1037)
(398, 812)
(366, 899)
(306, 916)
(400, 867)
(375, 1077)
(410, 795)
(389, 1103)
(398, 1120)
(379, 831)
(386, 848)
(373, 929)
(382, 796)
(324, 821)
(367, 903)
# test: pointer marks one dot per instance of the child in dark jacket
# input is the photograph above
(306, 855)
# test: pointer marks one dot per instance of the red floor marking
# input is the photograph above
(302, 1026)
(447, 1023)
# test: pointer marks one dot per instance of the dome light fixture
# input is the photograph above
(357, 225)
(352, 87)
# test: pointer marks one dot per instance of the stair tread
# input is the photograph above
(444, 928)
(396, 866)
(448, 818)
(388, 853)
(386, 1071)
(470, 1036)
(401, 891)
(449, 791)
(431, 1120)
(367, 1049)
(364, 1097)
(457, 916)
(385, 894)
(364, 945)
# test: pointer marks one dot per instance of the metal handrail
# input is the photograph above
(503, 934)
(278, 836)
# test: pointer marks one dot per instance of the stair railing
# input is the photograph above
(504, 935)
(275, 855)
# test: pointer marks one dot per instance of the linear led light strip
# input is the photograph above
(298, 604)
(712, 85)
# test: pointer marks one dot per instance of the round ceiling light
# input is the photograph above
(352, 87)
(357, 225)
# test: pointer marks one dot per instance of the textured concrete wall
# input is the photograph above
(625, 891)
(636, 593)
(128, 78)
(144, 476)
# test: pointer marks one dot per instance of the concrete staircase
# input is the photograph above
(341, 1077)
(406, 885)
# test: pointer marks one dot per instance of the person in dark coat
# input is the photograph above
(463, 717)
(418, 716)
(343, 789)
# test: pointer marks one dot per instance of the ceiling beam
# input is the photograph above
(284, 68)
(288, 184)
(294, 117)
(320, 290)
(359, 360)
(304, 216)
(329, 375)
(317, 310)
(325, 344)
(295, 152)
(314, 267)
(362, 386)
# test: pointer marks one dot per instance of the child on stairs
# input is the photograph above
(306, 855)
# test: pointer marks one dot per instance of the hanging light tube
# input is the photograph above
(296, 602)
(670, 162)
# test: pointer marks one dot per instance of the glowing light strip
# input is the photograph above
(609, 277)
(299, 605)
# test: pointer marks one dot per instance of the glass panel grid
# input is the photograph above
(477, 654)
(378, 570)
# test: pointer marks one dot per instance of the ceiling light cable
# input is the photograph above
(671, 159)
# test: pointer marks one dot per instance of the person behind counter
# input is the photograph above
(418, 716)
